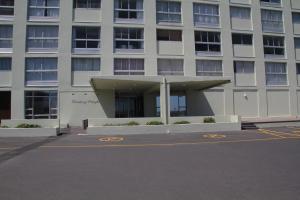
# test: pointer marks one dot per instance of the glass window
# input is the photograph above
(7, 7)
(276, 74)
(40, 104)
(242, 39)
(168, 11)
(170, 67)
(125, 66)
(209, 42)
(240, 12)
(43, 9)
(86, 38)
(209, 68)
(86, 64)
(169, 35)
(178, 105)
(274, 45)
(41, 71)
(5, 64)
(87, 3)
(243, 67)
(206, 14)
(6, 34)
(268, 2)
(42, 37)
(129, 10)
(296, 18)
(129, 38)
(297, 43)
(271, 21)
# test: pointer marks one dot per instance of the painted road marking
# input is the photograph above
(278, 133)
(111, 139)
(6, 148)
(214, 136)
(167, 144)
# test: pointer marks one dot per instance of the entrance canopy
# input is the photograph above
(152, 83)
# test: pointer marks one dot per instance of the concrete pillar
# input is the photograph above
(165, 101)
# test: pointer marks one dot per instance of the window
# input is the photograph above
(6, 8)
(42, 38)
(40, 9)
(168, 11)
(129, 39)
(270, 2)
(129, 66)
(209, 42)
(274, 45)
(86, 64)
(240, 12)
(206, 14)
(271, 21)
(178, 105)
(6, 33)
(169, 35)
(170, 67)
(209, 68)
(86, 39)
(129, 10)
(41, 71)
(298, 72)
(242, 39)
(297, 43)
(87, 3)
(41, 104)
(243, 67)
(296, 18)
(5, 64)
(276, 74)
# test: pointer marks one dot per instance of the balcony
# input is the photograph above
(243, 50)
(170, 47)
(241, 24)
(5, 78)
(87, 15)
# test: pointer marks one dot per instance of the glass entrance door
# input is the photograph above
(129, 105)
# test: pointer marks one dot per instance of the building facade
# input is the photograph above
(80, 59)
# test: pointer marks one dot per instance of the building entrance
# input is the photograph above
(5, 102)
(129, 105)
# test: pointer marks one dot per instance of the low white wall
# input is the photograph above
(102, 121)
(45, 123)
(161, 129)
(199, 119)
(28, 132)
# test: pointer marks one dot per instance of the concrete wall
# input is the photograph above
(87, 15)
(170, 48)
(241, 24)
(5, 78)
(45, 123)
(246, 103)
(278, 103)
(243, 51)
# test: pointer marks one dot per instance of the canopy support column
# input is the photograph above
(165, 101)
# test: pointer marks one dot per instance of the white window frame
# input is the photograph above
(215, 68)
(170, 71)
(272, 25)
(273, 46)
(88, 5)
(8, 39)
(168, 13)
(86, 50)
(132, 63)
(197, 13)
(281, 73)
(44, 7)
(129, 10)
(30, 110)
(43, 39)
(7, 17)
(95, 67)
(208, 43)
(128, 39)
(42, 72)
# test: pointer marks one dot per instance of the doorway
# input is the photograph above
(5, 105)
(129, 105)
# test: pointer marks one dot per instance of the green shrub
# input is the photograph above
(154, 123)
(132, 123)
(182, 122)
(28, 126)
(209, 120)
(4, 127)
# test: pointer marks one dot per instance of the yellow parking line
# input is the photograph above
(278, 133)
(164, 144)
(269, 132)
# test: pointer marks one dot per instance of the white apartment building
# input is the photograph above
(78, 59)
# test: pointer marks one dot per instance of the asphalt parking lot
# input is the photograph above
(261, 164)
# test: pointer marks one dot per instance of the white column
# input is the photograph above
(165, 101)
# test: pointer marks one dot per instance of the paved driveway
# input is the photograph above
(248, 165)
